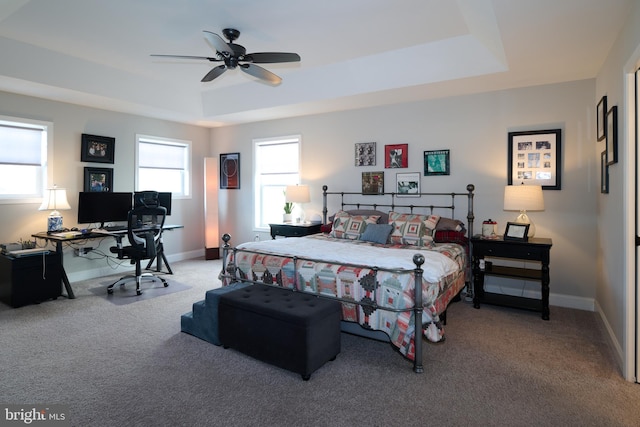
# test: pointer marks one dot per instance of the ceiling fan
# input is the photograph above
(234, 55)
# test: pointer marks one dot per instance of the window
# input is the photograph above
(25, 149)
(276, 165)
(163, 165)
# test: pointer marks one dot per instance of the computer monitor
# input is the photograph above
(101, 207)
(164, 199)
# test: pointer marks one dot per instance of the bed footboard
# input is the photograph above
(230, 274)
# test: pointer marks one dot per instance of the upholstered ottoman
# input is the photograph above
(292, 330)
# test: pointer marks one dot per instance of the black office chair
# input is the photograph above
(144, 231)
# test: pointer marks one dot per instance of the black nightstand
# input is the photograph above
(294, 230)
(535, 249)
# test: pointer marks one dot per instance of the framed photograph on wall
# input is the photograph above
(98, 180)
(437, 162)
(365, 154)
(601, 118)
(516, 231)
(408, 184)
(372, 183)
(604, 173)
(396, 156)
(230, 171)
(612, 136)
(535, 158)
(97, 149)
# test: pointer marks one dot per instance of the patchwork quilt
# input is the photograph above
(375, 282)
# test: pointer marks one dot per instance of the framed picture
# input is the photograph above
(372, 183)
(396, 156)
(604, 173)
(97, 149)
(516, 231)
(612, 136)
(98, 180)
(408, 184)
(365, 154)
(535, 158)
(436, 163)
(601, 118)
(230, 171)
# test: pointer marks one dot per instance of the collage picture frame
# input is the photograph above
(534, 158)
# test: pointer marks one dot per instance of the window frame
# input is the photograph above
(46, 160)
(258, 142)
(188, 170)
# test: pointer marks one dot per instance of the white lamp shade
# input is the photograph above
(55, 199)
(297, 194)
(523, 198)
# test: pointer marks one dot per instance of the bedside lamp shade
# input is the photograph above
(297, 194)
(524, 198)
(54, 199)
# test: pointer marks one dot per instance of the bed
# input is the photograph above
(392, 261)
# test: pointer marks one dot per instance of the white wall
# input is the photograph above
(475, 129)
(19, 221)
(615, 280)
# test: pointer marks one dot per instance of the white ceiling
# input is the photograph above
(355, 53)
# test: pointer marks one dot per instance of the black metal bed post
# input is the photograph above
(324, 204)
(226, 238)
(418, 260)
(470, 218)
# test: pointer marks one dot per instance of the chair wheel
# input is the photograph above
(110, 291)
(166, 284)
(139, 292)
(306, 377)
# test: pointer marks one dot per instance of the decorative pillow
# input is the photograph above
(377, 233)
(450, 224)
(450, 236)
(326, 228)
(347, 226)
(412, 229)
(383, 216)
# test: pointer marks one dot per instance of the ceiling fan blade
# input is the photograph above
(261, 73)
(208, 58)
(271, 57)
(215, 72)
(216, 42)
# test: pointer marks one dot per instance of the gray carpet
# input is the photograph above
(129, 365)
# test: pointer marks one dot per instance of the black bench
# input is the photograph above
(292, 330)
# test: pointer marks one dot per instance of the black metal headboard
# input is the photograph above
(393, 201)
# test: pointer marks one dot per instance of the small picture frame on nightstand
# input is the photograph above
(516, 231)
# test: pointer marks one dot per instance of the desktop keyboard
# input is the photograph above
(115, 227)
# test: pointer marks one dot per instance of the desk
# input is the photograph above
(58, 241)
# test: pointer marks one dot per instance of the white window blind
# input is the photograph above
(24, 151)
(163, 164)
(276, 165)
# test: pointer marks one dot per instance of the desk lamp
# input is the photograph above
(298, 194)
(55, 198)
(524, 198)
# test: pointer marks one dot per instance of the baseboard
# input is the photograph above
(559, 300)
(613, 341)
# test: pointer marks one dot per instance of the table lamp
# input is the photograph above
(524, 198)
(55, 198)
(297, 194)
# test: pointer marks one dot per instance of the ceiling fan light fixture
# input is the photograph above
(234, 54)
